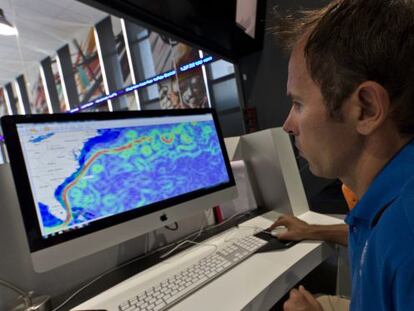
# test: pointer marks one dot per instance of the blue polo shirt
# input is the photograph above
(381, 239)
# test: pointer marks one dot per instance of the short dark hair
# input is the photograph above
(352, 41)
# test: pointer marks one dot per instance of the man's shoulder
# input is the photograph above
(395, 228)
(407, 201)
(398, 218)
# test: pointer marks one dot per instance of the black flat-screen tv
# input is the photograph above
(211, 24)
(89, 181)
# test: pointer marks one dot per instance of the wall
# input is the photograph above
(264, 82)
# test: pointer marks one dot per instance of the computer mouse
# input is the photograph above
(274, 243)
(277, 230)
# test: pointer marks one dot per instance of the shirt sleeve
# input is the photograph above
(404, 286)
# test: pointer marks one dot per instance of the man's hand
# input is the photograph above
(297, 229)
(301, 300)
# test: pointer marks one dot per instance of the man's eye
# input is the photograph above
(297, 105)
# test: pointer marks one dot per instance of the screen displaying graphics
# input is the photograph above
(88, 170)
(89, 181)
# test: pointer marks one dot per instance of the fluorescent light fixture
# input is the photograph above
(101, 62)
(6, 28)
(20, 98)
(8, 103)
(131, 66)
(203, 69)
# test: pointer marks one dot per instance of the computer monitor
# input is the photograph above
(89, 181)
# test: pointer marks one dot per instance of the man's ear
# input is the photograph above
(373, 102)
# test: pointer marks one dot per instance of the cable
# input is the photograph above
(188, 240)
(26, 297)
(172, 229)
(185, 239)
(105, 273)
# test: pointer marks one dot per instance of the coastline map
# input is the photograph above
(81, 176)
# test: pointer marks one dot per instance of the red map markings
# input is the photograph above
(167, 140)
(86, 166)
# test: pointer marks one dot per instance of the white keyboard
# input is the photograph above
(165, 294)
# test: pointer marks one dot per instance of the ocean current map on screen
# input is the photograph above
(82, 176)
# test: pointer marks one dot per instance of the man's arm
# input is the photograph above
(301, 300)
(403, 288)
(298, 230)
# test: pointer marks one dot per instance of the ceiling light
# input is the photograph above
(6, 28)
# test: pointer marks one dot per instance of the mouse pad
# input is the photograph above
(273, 243)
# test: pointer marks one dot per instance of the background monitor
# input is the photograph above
(89, 181)
(215, 26)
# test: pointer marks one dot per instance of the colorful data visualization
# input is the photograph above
(121, 169)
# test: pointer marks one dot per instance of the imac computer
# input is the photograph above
(89, 181)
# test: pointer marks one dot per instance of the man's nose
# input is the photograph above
(288, 125)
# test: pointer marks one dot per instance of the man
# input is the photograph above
(298, 230)
(351, 73)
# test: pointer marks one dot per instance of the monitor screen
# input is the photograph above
(216, 26)
(84, 173)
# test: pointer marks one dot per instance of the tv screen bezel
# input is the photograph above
(23, 188)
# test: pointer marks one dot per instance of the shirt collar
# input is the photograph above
(386, 185)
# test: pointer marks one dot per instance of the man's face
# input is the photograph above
(328, 145)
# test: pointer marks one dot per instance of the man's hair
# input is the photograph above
(352, 41)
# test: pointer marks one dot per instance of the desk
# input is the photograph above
(255, 284)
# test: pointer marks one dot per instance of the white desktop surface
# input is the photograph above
(255, 284)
